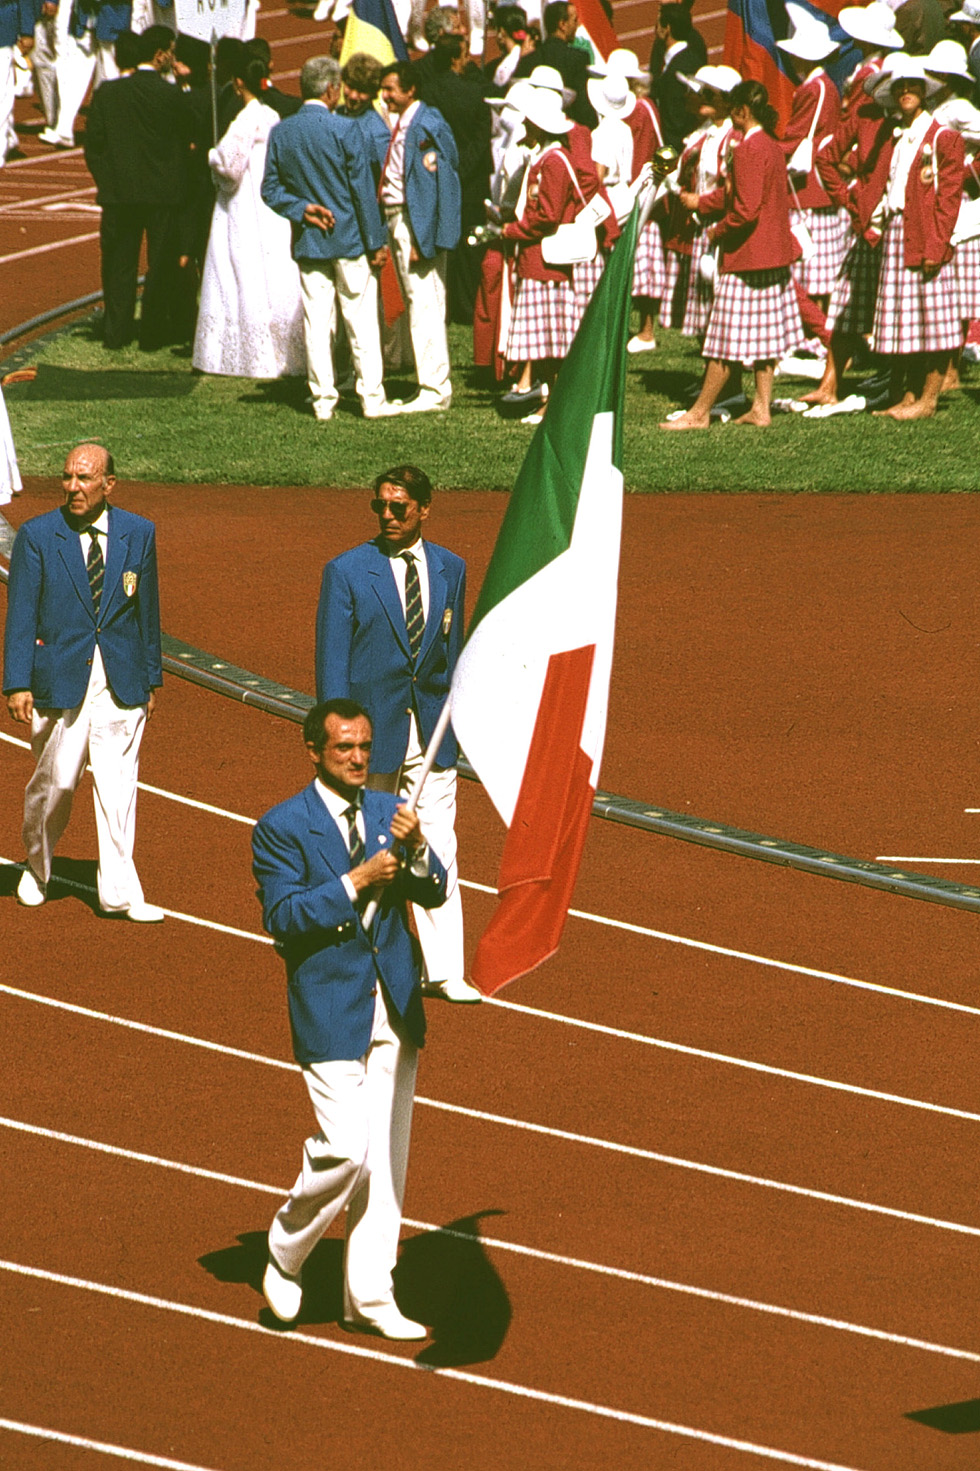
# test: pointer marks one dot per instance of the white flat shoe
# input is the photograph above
(283, 1293)
(387, 1322)
(144, 913)
(30, 891)
(459, 991)
(641, 344)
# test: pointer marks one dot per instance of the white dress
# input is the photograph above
(9, 474)
(250, 321)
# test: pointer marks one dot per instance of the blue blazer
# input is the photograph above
(432, 191)
(315, 157)
(332, 964)
(110, 19)
(52, 628)
(363, 653)
(18, 18)
(375, 138)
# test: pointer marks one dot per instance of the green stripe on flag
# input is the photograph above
(537, 525)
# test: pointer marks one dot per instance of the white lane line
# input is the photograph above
(44, 249)
(619, 924)
(122, 1452)
(48, 157)
(956, 862)
(459, 1376)
(553, 1258)
(296, 40)
(43, 199)
(630, 1150)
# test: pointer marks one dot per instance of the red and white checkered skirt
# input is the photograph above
(546, 316)
(586, 276)
(648, 264)
(852, 301)
(830, 231)
(913, 314)
(755, 317)
(966, 270)
(700, 293)
(677, 273)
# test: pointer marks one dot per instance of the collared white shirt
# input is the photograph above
(337, 806)
(709, 159)
(101, 525)
(399, 570)
(673, 51)
(393, 182)
(906, 147)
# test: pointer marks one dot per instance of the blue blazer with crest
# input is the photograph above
(363, 653)
(432, 189)
(52, 627)
(316, 157)
(332, 963)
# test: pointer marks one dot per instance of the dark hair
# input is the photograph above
(677, 19)
(259, 48)
(196, 56)
(509, 18)
(409, 478)
(226, 58)
(126, 49)
(315, 724)
(251, 71)
(363, 74)
(447, 50)
(408, 79)
(154, 39)
(753, 95)
(555, 15)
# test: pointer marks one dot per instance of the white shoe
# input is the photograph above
(323, 9)
(144, 913)
(459, 991)
(384, 411)
(535, 418)
(386, 1322)
(30, 891)
(641, 344)
(283, 1293)
(48, 135)
(421, 404)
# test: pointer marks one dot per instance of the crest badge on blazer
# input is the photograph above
(129, 583)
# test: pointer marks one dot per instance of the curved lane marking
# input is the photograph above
(122, 1452)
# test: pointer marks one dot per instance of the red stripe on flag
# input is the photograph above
(592, 16)
(546, 836)
(392, 299)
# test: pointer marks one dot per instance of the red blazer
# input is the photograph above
(551, 201)
(854, 92)
(817, 99)
(854, 165)
(681, 225)
(932, 196)
(579, 146)
(755, 233)
(644, 123)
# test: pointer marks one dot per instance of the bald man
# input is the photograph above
(81, 663)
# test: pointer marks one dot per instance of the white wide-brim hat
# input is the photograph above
(611, 95)
(810, 39)
(542, 107)
(948, 59)
(969, 11)
(548, 79)
(714, 78)
(621, 62)
(899, 68)
(873, 24)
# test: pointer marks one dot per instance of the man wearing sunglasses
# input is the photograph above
(388, 634)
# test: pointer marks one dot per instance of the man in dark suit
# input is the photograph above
(137, 141)
(388, 634)
(318, 176)
(81, 663)
(678, 50)
(571, 62)
(355, 1010)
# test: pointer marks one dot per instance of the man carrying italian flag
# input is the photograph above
(531, 688)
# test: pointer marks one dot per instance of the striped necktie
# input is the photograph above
(95, 567)
(414, 617)
(354, 840)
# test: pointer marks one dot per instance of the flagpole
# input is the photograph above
(428, 761)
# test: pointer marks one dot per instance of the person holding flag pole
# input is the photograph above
(530, 692)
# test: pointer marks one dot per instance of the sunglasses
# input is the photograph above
(399, 509)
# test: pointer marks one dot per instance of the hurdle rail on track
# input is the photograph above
(223, 678)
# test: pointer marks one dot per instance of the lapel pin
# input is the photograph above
(447, 622)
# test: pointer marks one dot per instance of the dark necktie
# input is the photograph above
(414, 617)
(354, 840)
(95, 567)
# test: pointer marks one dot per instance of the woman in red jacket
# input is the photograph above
(755, 319)
(917, 317)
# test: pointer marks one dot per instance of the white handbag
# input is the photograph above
(803, 237)
(801, 159)
(575, 242)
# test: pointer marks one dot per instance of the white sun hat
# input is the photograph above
(623, 63)
(548, 79)
(873, 24)
(899, 68)
(969, 11)
(611, 95)
(542, 107)
(948, 59)
(810, 39)
(718, 78)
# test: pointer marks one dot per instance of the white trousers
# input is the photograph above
(45, 58)
(77, 63)
(423, 285)
(358, 1158)
(108, 735)
(353, 286)
(8, 84)
(440, 931)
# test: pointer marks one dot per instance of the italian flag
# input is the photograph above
(531, 688)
